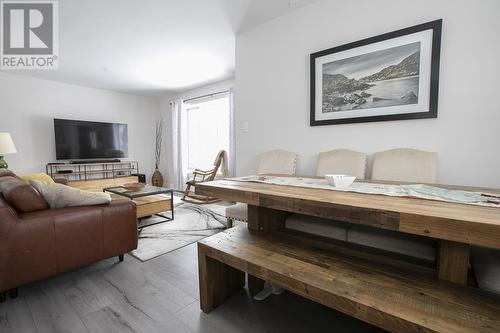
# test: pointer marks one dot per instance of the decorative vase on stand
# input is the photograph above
(157, 178)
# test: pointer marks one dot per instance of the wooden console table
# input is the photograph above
(389, 292)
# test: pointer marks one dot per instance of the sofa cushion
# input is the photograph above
(317, 226)
(392, 241)
(60, 196)
(7, 173)
(486, 265)
(21, 196)
(43, 177)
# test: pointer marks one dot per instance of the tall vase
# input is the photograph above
(157, 178)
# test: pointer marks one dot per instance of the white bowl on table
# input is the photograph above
(340, 181)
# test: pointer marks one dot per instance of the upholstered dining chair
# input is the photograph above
(338, 161)
(342, 161)
(406, 165)
(277, 161)
(271, 162)
(395, 165)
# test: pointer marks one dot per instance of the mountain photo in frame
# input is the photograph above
(394, 76)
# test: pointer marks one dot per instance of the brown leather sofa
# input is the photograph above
(37, 242)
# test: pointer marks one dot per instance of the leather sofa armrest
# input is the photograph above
(120, 227)
(8, 218)
(43, 243)
(27, 249)
(90, 233)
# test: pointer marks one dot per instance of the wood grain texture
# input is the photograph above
(265, 219)
(395, 301)
(453, 261)
(469, 224)
(371, 217)
(218, 281)
(97, 185)
(376, 256)
(147, 206)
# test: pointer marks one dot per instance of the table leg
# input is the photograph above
(453, 261)
(265, 219)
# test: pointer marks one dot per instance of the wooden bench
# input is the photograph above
(392, 299)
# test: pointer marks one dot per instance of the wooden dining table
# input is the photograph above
(454, 226)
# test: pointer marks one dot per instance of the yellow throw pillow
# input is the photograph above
(40, 176)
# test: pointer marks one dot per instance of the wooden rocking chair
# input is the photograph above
(200, 176)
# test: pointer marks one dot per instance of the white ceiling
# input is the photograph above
(154, 46)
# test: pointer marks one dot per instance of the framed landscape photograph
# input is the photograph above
(393, 76)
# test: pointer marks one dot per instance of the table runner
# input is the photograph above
(420, 191)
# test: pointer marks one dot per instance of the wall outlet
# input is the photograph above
(245, 127)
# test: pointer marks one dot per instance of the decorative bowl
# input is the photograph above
(133, 186)
(340, 180)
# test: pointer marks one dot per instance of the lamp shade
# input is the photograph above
(6, 144)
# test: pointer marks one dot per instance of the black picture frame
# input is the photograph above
(435, 26)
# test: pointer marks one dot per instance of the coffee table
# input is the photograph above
(151, 200)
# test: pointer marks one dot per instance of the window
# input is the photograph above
(207, 131)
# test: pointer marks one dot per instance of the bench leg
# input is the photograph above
(120, 258)
(453, 261)
(218, 282)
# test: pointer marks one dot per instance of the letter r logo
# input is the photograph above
(27, 28)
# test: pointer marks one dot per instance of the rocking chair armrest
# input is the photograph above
(202, 172)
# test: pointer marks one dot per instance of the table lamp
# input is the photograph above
(6, 147)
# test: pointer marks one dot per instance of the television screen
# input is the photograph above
(77, 139)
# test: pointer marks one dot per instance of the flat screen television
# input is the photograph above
(76, 139)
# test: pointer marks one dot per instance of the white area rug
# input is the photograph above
(191, 223)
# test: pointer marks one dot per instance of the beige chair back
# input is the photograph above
(405, 164)
(277, 162)
(342, 161)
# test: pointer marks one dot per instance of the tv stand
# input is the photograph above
(115, 160)
(92, 170)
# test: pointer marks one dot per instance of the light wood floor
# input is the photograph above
(160, 295)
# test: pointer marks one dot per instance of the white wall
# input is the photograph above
(272, 86)
(28, 107)
(164, 107)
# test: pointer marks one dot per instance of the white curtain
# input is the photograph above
(232, 136)
(178, 157)
(179, 142)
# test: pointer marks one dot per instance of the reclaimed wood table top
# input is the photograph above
(475, 225)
